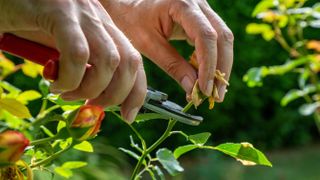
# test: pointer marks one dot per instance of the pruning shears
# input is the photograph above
(155, 101)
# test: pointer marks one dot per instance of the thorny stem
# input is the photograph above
(164, 136)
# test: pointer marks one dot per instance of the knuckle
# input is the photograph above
(172, 67)
(134, 61)
(113, 60)
(228, 35)
(80, 54)
(182, 4)
(209, 33)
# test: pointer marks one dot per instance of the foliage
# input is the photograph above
(286, 21)
(52, 132)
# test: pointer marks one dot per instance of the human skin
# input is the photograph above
(150, 24)
(83, 32)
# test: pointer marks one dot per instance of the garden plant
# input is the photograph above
(286, 21)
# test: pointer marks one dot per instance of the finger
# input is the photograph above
(74, 55)
(204, 36)
(167, 58)
(225, 47)
(104, 58)
(125, 75)
(131, 106)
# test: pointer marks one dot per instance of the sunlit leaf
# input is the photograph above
(85, 146)
(245, 153)
(184, 149)
(308, 109)
(59, 101)
(130, 153)
(61, 125)
(31, 69)
(15, 107)
(74, 164)
(263, 6)
(297, 93)
(168, 161)
(66, 173)
(199, 139)
(30, 95)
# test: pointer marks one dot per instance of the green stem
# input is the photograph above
(52, 157)
(144, 145)
(41, 141)
(164, 136)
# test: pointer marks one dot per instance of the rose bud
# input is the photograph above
(12, 145)
(85, 122)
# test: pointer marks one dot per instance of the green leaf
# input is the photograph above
(199, 139)
(168, 161)
(74, 164)
(297, 93)
(47, 131)
(254, 28)
(59, 101)
(244, 152)
(61, 125)
(149, 116)
(263, 6)
(85, 146)
(15, 107)
(184, 149)
(309, 109)
(44, 87)
(253, 77)
(11, 89)
(27, 96)
(130, 153)
(159, 172)
(66, 173)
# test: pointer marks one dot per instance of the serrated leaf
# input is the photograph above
(168, 161)
(66, 173)
(85, 146)
(184, 149)
(149, 116)
(245, 153)
(15, 107)
(199, 139)
(30, 95)
(159, 172)
(74, 164)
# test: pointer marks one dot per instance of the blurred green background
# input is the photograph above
(253, 115)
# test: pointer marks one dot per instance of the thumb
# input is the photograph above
(168, 59)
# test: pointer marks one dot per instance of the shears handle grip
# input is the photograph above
(35, 52)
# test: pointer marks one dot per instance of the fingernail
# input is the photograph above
(222, 92)
(209, 88)
(187, 84)
(132, 115)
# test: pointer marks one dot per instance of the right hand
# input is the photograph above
(83, 32)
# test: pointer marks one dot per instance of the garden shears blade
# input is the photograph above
(155, 101)
(158, 102)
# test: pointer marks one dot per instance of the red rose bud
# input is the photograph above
(12, 145)
(85, 122)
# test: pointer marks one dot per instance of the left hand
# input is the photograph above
(149, 24)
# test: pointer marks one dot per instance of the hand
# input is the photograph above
(84, 33)
(149, 24)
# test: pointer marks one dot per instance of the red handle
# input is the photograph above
(38, 53)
